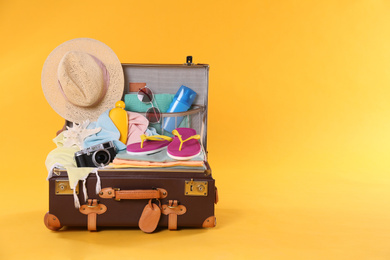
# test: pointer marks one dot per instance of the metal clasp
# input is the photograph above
(90, 202)
(116, 189)
(189, 60)
(195, 188)
(62, 187)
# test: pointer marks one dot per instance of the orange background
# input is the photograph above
(299, 124)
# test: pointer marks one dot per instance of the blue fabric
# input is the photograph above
(109, 132)
(151, 131)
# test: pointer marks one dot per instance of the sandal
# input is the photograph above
(185, 144)
(149, 145)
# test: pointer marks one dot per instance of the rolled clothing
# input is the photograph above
(133, 163)
(156, 157)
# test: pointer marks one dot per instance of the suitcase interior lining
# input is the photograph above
(168, 79)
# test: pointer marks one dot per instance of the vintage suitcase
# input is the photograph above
(185, 198)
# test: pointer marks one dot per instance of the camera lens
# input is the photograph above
(101, 158)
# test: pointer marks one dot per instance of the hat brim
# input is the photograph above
(56, 98)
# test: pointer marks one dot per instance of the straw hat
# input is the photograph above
(81, 79)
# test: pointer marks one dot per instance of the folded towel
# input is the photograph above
(155, 164)
(156, 157)
(128, 166)
(63, 157)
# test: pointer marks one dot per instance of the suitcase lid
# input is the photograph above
(167, 78)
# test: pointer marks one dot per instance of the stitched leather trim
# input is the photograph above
(98, 209)
(179, 210)
(52, 222)
(172, 222)
(108, 193)
(209, 222)
(173, 210)
(92, 209)
(92, 226)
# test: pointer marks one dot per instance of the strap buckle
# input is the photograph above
(116, 189)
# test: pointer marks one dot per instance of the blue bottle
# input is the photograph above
(181, 102)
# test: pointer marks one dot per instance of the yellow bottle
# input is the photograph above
(119, 116)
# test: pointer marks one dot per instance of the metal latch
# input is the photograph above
(196, 188)
(62, 187)
(189, 60)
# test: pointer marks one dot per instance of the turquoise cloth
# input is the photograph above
(134, 105)
(109, 132)
(161, 101)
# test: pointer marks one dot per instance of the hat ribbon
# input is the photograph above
(106, 81)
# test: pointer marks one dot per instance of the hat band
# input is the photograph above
(106, 83)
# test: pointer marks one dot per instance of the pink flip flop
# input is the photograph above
(185, 144)
(149, 145)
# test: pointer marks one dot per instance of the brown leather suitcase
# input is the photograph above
(134, 197)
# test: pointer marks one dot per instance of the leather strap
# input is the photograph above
(92, 209)
(109, 193)
(172, 222)
(173, 210)
(209, 222)
(92, 222)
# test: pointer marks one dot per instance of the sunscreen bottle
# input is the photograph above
(120, 119)
(181, 102)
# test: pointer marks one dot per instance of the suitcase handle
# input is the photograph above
(117, 194)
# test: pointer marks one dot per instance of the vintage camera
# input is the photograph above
(96, 156)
